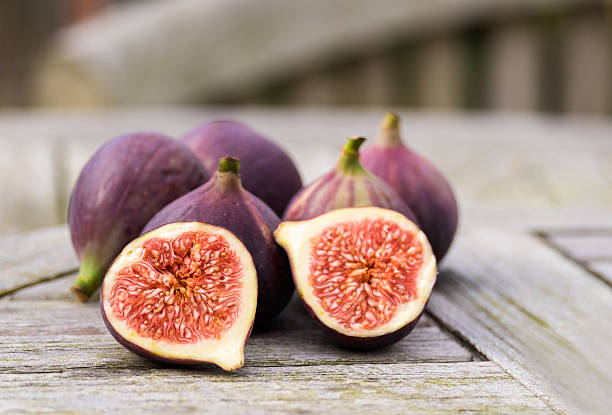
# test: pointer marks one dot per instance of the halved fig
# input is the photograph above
(185, 293)
(365, 274)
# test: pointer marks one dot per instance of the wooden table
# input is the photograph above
(519, 321)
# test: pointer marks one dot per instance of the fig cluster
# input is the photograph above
(185, 239)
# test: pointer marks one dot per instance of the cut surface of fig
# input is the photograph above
(184, 293)
(364, 273)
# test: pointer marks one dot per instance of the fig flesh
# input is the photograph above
(223, 202)
(418, 182)
(268, 172)
(365, 274)
(120, 188)
(185, 293)
(347, 185)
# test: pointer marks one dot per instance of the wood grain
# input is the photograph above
(585, 247)
(603, 269)
(47, 332)
(543, 319)
(338, 389)
(35, 256)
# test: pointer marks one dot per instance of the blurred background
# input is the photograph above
(74, 73)
(526, 55)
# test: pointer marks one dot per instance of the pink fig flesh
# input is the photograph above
(185, 293)
(365, 274)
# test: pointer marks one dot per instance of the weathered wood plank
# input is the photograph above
(27, 183)
(340, 389)
(543, 319)
(35, 256)
(57, 289)
(585, 247)
(523, 174)
(603, 269)
(51, 335)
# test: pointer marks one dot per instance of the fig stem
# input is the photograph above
(89, 279)
(227, 177)
(348, 162)
(229, 164)
(389, 135)
(391, 120)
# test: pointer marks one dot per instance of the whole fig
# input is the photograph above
(120, 188)
(347, 185)
(223, 202)
(418, 182)
(267, 170)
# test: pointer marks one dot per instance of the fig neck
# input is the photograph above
(227, 177)
(348, 162)
(389, 135)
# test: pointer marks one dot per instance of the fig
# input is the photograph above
(223, 202)
(418, 182)
(365, 274)
(120, 188)
(268, 172)
(347, 185)
(185, 293)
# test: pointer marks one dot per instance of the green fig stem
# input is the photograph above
(229, 164)
(228, 177)
(89, 278)
(348, 162)
(389, 135)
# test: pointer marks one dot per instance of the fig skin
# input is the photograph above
(267, 171)
(347, 185)
(222, 201)
(418, 182)
(141, 351)
(364, 343)
(120, 188)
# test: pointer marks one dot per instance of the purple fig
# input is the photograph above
(364, 274)
(347, 185)
(185, 293)
(223, 202)
(267, 170)
(418, 182)
(120, 188)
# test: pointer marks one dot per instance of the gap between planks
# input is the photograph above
(589, 265)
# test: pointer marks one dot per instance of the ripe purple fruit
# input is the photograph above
(267, 170)
(418, 182)
(346, 185)
(120, 188)
(223, 202)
